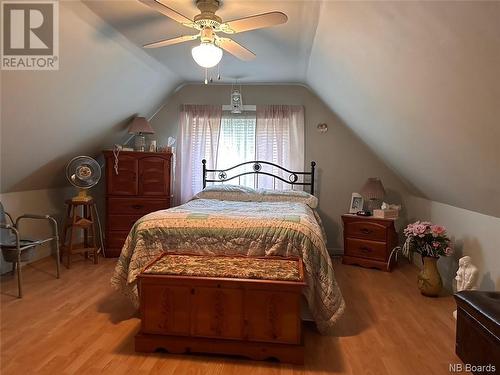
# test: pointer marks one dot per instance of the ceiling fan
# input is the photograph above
(209, 52)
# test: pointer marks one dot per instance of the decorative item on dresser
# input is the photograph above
(232, 305)
(137, 183)
(138, 127)
(369, 241)
(373, 191)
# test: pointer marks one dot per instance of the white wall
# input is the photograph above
(419, 82)
(49, 117)
(42, 202)
(474, 234)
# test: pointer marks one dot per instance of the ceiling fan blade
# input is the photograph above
(259, 21)
(235, 49)
(169, 42)
(169, 12)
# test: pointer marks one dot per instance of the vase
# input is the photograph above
(429, 279)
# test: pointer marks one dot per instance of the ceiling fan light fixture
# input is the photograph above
(206, 55)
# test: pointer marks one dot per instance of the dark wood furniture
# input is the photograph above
(478, 330)
(369, 241)
(80, 215)
(141, 186)
(255, 318)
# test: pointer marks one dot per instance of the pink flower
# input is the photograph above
(435, 244)
(448, 251)
(437, 230)
(420, 229)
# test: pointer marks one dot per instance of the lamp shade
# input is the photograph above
(140, 125)
(373, 189)
(206, 55)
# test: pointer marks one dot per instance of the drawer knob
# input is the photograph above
(365, 231)
(365, 249)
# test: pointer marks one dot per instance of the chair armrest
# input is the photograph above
(38, 217)
(33, 216)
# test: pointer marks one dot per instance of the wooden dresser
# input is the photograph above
(141, 186)
(368, 241)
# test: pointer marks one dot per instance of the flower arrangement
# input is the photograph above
(427, 239)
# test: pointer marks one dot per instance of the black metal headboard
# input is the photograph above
(294, 178)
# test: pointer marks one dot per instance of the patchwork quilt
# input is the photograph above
(215, 227)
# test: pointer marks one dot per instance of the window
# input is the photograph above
(237, 142)
(273, 133)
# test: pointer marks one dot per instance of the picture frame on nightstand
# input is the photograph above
(357, 203)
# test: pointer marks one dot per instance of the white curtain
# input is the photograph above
(279, 138)
(198, 139)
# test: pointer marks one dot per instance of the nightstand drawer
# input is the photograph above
(365, 249)
(366, 229)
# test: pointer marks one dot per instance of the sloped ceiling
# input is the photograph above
(49, 117)
(420, 83)
(282, 51)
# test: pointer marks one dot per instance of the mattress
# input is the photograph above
(218, 227)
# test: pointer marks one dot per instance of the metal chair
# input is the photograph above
(16, 249)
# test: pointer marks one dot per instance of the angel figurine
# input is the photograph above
(466, 275)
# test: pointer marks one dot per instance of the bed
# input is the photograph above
(226, 219)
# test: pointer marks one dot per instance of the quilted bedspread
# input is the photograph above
(209, 226)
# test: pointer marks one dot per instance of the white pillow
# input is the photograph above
(269, 195)
(228, 193)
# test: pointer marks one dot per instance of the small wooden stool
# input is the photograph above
(86, 222)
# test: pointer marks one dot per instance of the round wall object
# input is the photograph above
(322, 128)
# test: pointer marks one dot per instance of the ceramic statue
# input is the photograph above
(466, 277)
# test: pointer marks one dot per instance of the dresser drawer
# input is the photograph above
(121, 222)
(136, 206)
(366, 229)
(365, 249)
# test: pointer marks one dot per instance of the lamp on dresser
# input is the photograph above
(138, 127)
(373, 191)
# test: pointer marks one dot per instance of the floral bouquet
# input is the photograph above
(427, 239)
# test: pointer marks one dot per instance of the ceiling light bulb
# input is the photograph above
(206, 55)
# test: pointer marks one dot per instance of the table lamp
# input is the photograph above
(140, 126)
(373, 191)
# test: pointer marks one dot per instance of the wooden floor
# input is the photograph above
(79, 325)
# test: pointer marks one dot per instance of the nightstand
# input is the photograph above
(369, 241)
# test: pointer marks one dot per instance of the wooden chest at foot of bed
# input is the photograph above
(223, 305)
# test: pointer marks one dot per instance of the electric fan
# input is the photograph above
(83, 172)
